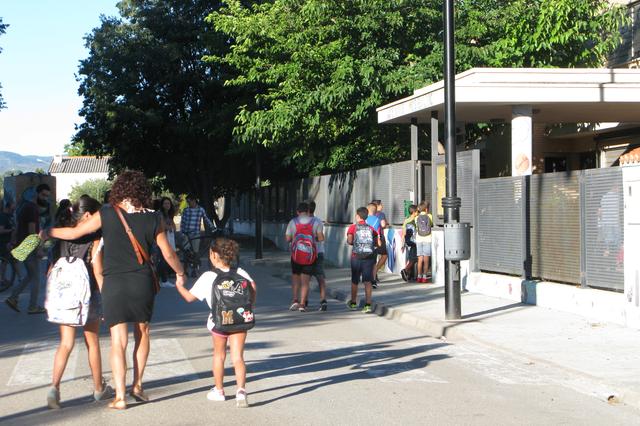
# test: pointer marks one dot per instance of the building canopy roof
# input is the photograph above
(557, 95)
(79, 164)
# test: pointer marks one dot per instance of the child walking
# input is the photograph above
(84, 249)
(223, 253)
(364, 240)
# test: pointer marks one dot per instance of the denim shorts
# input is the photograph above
(424, 249)
(362, 269)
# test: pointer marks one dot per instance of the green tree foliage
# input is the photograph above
(153, 104)
(3, 29)
(74, 149)
(319, 68)
(95, 188)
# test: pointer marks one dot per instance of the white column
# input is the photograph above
(521, 140)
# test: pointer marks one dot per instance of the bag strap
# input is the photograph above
(141, 253)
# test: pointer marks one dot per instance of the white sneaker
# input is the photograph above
(241, 399)
(216, 395)
(167, 284)
(53, 398)
(294, 306)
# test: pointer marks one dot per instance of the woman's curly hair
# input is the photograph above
(227, 250)
(131, 185)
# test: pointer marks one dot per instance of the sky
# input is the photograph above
(40, 55)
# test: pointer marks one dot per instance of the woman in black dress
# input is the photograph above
(128, 291)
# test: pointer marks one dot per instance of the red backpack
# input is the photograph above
(303, 247)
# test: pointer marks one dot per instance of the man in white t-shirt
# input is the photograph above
(301, 274)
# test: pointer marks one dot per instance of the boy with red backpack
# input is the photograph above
(364, 240)
(303, 232)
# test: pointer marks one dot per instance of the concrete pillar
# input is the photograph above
(521, 140)
(414, 158)
(414, 139)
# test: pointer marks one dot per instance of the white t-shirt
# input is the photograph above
(202, 289)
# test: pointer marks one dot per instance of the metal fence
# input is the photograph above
(337, 196)
(565, 227)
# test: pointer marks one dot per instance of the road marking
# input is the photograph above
(34, 367)
(167, 360)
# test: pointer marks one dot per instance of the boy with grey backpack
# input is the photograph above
(364, 240)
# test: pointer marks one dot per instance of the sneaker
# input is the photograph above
(367, 309)
(216, 394)
(405, 275)
(53, 398)
(323, 306)
(37, 310)
(374, 284)
(352, 305)
(167, 284)
(104, 393)
(294, 306)
(241, 399)
(302, 308)
(12, 303)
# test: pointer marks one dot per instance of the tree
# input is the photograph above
(74, 149)
(321, 67)
(3, 29)
(153, 104)
(95, 188)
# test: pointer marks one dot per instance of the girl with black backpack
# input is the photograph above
(231, 294)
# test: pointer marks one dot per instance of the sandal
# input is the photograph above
(118, 404)
(139, 395)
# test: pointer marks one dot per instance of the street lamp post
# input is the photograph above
(451, 203)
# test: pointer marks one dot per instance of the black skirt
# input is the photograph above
(128, 297)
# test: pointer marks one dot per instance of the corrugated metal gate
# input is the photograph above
(573, 221)
(604, 228)
(500, 225)
(337, 196)
(554, 200)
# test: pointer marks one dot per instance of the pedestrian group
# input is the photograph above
(101, 269)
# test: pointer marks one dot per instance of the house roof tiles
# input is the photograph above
(79, 164)
(631, 157)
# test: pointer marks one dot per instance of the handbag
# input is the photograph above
(141, 253)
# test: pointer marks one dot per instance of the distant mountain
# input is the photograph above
(24, 163)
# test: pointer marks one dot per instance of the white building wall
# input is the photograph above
(66, 181)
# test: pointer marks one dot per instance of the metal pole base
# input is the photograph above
(453, 310)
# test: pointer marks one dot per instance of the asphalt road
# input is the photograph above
(337, 367)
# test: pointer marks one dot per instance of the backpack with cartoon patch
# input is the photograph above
(303, 247)
(363, 241)
(231, 307)
(423, 224)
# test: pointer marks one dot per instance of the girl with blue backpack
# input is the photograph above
(74, 268)
(231, 294)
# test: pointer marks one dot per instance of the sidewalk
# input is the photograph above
(603, 357)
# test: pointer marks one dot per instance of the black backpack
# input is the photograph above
(363, 241)
(231, 307)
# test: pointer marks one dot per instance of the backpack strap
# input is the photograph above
(141, 253)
